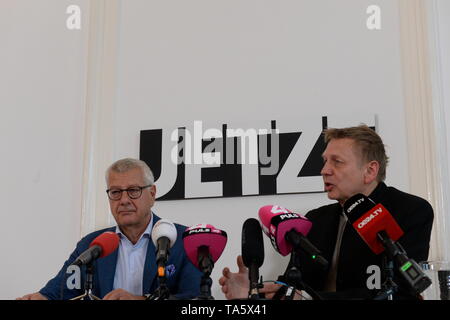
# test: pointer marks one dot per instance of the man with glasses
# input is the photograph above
(130, 271)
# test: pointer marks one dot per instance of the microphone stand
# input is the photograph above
(88, 295)
(253, 293)
(206, 265)
(162, 292)
(293, 278)
(410, 271)
(389, 287)
(205, 288)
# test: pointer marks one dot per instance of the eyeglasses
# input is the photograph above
(133, 192)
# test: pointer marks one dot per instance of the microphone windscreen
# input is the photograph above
(356, 206)
(368, 218)
(164, 228)
(252, 243)
(204, 235)
(107, 241)
(276, 221)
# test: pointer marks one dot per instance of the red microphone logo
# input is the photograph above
(376, 219)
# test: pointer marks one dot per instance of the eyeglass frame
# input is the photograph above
(128, 192)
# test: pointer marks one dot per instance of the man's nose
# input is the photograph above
(326, 170)
(124, 199)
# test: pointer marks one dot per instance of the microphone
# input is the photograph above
(368, 219)
(164, 235)
(100, 247)
(204, 245)
(378, 228)
(287, 231)
(252, 253)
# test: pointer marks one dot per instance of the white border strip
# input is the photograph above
(437, 88)
(425, 163)
(100, 102)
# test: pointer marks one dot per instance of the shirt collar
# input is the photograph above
(377, 194)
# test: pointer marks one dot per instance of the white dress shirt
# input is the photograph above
(130, 261)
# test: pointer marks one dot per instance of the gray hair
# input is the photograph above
(124, 165)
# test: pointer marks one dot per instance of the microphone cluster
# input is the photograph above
(287, 231)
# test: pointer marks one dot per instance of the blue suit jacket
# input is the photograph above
(183, 280)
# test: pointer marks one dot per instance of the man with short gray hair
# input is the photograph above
(130, 272)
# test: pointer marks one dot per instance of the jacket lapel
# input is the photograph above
(150, 267)
(106, 272)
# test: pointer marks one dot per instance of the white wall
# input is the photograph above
(182, 61)
(41, 137)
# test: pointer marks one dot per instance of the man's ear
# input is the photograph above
(153, 191)
(371, 171)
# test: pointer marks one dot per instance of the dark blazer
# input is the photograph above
(413, 214)
(184, 283)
